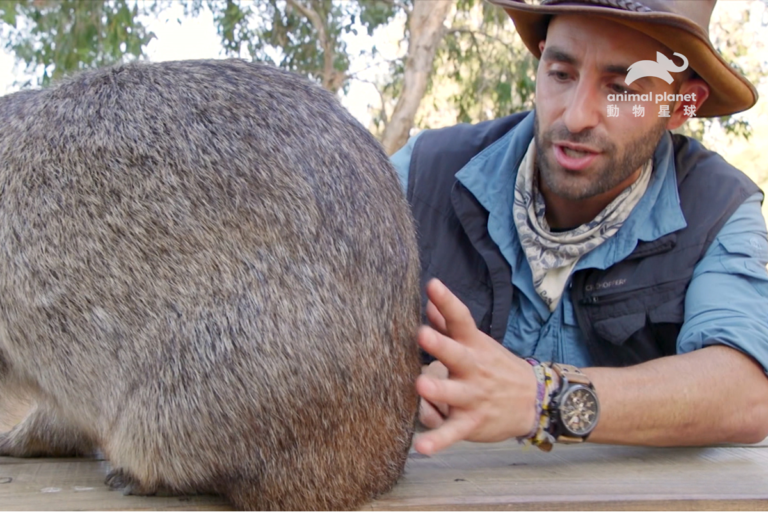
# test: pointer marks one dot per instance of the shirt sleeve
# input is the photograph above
(402, 161)
(727, 300)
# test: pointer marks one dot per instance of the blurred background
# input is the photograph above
(399, 66)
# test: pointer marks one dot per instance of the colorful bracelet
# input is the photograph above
(545, 390)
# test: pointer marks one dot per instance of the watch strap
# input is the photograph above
(569, 375)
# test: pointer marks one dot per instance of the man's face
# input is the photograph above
(581, 152)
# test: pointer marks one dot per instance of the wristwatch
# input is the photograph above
(575, 409)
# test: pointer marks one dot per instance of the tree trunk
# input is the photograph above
(426, 26)
(332, 79)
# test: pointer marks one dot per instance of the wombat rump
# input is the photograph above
(208, 272)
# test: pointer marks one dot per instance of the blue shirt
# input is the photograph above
(726, 302)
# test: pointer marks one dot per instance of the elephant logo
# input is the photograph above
(660, 69)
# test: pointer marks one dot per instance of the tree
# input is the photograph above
(56, 37)
(463, 61)
(740, 40)
(481, 70)
(304, 36)
(491, 70)
(307, 36)
(426, 29)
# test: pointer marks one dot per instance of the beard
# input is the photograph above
(618, 167)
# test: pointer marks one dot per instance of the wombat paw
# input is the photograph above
(122, 480)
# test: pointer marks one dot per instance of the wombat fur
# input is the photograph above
(208, 271)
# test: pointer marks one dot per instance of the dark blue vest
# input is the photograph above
(629, 313)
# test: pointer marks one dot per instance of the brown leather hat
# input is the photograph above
(681, 25)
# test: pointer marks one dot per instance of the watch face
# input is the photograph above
(579, 410)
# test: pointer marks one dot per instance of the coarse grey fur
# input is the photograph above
(208, 271)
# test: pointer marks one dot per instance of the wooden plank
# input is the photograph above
(505, 476)
(500, 476)
(78, 484)
(611, 504)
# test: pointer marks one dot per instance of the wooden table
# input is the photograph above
(467, 476)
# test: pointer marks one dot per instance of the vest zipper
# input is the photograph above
(607, 297)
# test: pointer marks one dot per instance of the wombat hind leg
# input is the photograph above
(43, 433)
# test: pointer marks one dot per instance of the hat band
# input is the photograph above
(625, 5)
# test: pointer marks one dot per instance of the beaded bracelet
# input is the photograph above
(545, 390)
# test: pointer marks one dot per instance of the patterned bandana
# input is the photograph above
(552, 256)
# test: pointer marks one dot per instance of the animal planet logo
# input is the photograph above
(661, 68)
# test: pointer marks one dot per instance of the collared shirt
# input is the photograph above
(726, 302)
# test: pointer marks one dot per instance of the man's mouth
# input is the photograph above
(574, 157)
(575, 153)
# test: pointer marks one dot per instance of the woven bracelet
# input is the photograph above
(539, 435)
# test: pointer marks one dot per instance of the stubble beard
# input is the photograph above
(593, 182)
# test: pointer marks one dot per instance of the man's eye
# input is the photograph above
(619, 89)
(559, 75)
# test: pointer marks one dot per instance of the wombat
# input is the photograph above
(208, 272)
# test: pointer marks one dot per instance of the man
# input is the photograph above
(587, 234)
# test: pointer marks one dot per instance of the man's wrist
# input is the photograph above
(566, 405)
(540, 435)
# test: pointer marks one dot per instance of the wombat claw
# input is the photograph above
(121, 480)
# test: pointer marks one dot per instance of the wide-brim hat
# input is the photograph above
(681, 25)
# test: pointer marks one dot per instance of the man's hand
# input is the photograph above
(433, 415)
(488, 394)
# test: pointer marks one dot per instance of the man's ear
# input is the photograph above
(542, 44)
(680, 111)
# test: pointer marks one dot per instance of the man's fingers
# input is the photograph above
(459, 323)
(444, 391)
(429, 415)
(451, 353)
(452, 431)
(436, 369)
(435, 318)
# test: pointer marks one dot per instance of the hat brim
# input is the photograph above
(730, 92)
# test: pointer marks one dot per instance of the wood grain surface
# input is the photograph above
(499, 476)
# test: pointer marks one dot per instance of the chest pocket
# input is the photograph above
(628, 314)
(616, 316)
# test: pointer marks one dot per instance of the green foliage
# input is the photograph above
(277, 32)
(482, 70)
(742, 49)
(485, 64)
(490, 73)
(56, 37)
(389, 92)
(232, 25)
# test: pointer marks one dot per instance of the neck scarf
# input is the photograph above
(551, 255)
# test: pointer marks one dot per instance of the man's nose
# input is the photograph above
(583, 111)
